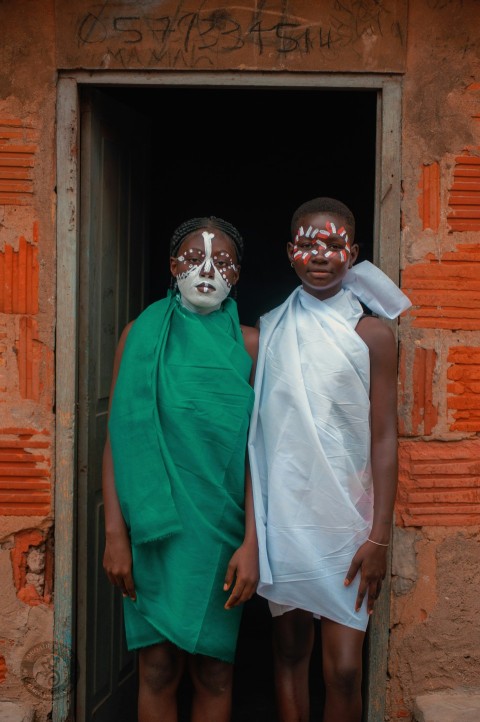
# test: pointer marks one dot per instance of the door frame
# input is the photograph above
(386, 254)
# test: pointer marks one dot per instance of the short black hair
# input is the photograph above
(323, 205)
(211, 222)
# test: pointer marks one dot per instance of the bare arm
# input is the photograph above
(243, 566)
(371, 558)
(251, 337)
(117, 559)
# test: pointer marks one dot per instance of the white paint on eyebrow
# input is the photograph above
(309, 230)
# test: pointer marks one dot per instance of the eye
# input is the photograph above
(305, 245)
(337, 246)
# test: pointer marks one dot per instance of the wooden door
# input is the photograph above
(113, 254)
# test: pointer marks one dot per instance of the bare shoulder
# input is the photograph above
(379, 338)
(121, 345)
(125, 332)
(250, 339)
(118, 355)
(123, 338)
(375, 332)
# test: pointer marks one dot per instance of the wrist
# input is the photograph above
(116, 532)
(381, 532)
(378, 544)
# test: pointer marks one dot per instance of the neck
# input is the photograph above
(195, 309)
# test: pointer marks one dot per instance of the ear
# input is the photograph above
(290, 251)
(354, 251)
(173, 266)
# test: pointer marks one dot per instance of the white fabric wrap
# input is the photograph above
(309, 444)
(309, 451)
(376, 290)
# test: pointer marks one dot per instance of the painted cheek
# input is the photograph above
(296, 253)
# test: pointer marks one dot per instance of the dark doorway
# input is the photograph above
(252, 156)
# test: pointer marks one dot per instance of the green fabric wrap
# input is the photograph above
(178, 427)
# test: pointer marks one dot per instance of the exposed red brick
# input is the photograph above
(464, 355)
(445, 293)
(24, 542)
(464, 199)
(429, 198)
(464, 399)
(3, 362)
(3, 670)
(24, 473)
(19, 277)
(402, 375)
(423, 411)
(17, 158)
(439, 483)
(34, 360)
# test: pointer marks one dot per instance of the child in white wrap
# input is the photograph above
(323, 454)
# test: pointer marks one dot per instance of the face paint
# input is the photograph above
(317, 236)
(201, 292)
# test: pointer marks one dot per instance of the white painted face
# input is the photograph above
(203, 287)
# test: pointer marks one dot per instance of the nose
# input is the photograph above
(319, 257)
(210, 273)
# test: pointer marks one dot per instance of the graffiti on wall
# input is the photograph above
(277, 35)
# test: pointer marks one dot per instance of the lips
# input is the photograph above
(319, 274)
(205, 287)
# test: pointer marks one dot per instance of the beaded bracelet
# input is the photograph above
(379, 544)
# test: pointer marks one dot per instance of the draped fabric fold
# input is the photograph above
(144, 468)
(309, 451)
(376, 290)
(178, 426)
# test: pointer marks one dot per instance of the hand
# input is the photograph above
(243, 566)
(117, 563)
(371, 560)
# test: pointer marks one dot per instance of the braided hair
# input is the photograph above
(194, 224)
(323, 205)
(211, 223)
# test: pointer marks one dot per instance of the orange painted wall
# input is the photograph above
(436, 542)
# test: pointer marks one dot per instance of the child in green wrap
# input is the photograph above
(180, 533)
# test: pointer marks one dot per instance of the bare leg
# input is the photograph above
(212, 682)
(293, 636)
(160, 670)
(342, 672)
